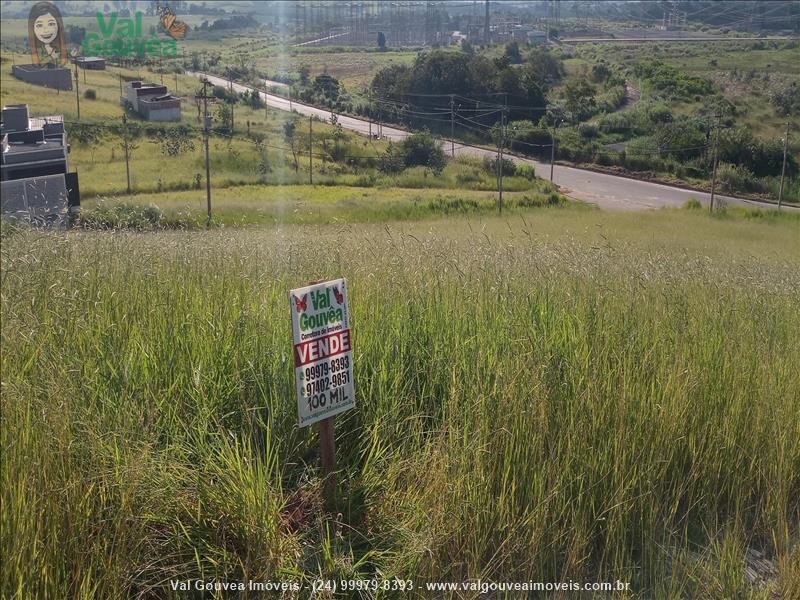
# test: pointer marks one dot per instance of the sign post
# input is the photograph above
(323, 363)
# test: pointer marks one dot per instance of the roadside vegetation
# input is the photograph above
(259, 162)
(621, 109)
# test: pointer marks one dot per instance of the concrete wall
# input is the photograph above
(58, 79)
(169, 114)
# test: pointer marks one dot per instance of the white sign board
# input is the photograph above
(323, 361)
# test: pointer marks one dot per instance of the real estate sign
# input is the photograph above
(323, 361)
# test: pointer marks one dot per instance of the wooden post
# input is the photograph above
(714, 164)
(783, 168)
(77, 92)
(327, 452)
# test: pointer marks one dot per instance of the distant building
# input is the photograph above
(457, 37)
(59, 78)
(93, 63)
(535, 37)
(36, 186)
(151, 101)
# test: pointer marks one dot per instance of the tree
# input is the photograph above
(422, 149)
(601, 73)
(544, 68)
(580, 99)
(289, 129)
(225, 117)
(86, 134)
(305, 72)
(75, 35)
(513, 53)
(381, 41)
(327, 87)
(259, 142)
(173, 141)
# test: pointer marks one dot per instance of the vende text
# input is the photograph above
(314, 350)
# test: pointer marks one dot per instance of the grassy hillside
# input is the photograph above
(570, 395)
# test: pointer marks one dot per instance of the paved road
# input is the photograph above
(610, 192)
(654, 38)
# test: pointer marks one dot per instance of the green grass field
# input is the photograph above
(298, 204)
(553, 396)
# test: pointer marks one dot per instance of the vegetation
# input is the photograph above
(466, 75)
(629, 413)
(418, 149)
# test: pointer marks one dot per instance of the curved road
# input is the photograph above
(610, 192)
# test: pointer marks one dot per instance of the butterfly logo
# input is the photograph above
(338, 294)
(300, 305)
(174, 28)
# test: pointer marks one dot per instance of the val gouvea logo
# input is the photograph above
(123, 36)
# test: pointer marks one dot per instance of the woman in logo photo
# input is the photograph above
(46, 35)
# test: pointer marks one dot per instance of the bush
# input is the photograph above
(526, 171)
(527, 138)
(736, 178)
(392, 161)
(509, 166)
(418, 149)
(588, 130)
(692, 203)
(452, 205)
(127, 216)
(90, 94)
(538, 201)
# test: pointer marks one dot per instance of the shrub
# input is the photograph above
(127, 216)
(786, 100)
(90, 94)
(526, 171)
(509, 167)
(588, 130)
(692, 203)
(736, 178)
(452, 205)
(538, 201)
(422, 149)
(527, 138)
(392, 161)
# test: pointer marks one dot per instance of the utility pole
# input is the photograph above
(310, 155)
(714, 173)
(206, 126)
(500, 158)
(487, 36)
(125, 144)
(783, 168)
(452, 123)
(176, 83)
(552, 150)
(77, 92)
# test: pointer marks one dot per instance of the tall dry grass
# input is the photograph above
(530, 405)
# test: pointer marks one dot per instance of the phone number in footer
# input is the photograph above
(361, 585)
